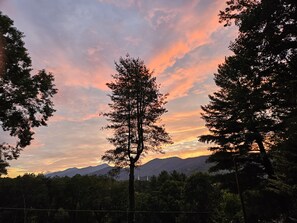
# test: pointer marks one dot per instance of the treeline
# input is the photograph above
(169, 197)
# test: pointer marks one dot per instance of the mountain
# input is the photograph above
(151, 168)
(73, 171)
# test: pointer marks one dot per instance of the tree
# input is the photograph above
(136, 107)
(262, 74)
(25, 99)
(269, 28)
(237, 118)
(255, 107)
(202, 197)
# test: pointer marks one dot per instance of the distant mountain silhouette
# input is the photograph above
(147, 170)
(73, 171)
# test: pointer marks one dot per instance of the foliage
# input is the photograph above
(200, 194)
(255, 107)
(230, 208)
(237, 118)
(136, 107)
(56, 196)
(25, 99)
(169, 197)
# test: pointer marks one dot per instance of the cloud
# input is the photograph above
(78, 41)
(190, 31)
(184, 79)
(82, 145)
(183, 150)
(184, 126)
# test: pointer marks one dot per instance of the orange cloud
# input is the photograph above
(184, 78)
(184, 126)
(168, 56)
(68, 74)
(181, 154)
(194, 31)
(14, 172)
(181, 151)
(172, 36)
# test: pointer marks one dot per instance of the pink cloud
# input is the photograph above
(78, 44)
(184, 78)
(184, 126)
(69, 74)
(191, 31)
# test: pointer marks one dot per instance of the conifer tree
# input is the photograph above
(255, 107)
(257, 85)
(136, 107)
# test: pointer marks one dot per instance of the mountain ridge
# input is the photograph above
(145, 171)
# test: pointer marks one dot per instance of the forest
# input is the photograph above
(169, 197)
(251, 121)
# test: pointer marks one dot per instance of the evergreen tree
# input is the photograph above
(237, 118)
(25, 99)
(257, 94)
(255, 106)
(268, 27)
(136, 107)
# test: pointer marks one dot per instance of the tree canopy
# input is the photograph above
(136, 107)
(25, 99)
(256, 93)
(252, 117)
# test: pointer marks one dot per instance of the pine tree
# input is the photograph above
(136, 107)
(237, 118)
(255, 106)
(263, 76)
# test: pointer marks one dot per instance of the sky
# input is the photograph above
(79, 41)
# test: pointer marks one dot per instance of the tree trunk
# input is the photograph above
(131, 217)
(239, 191)
(266, 161)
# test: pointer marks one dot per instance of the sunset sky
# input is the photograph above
(79, 40)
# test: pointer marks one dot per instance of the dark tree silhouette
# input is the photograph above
(237, 117)
(257, 94)
(25, 99)
(255, 106)
(136, 107)
(272, 25)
